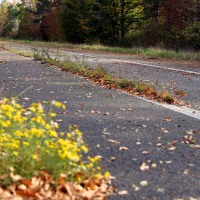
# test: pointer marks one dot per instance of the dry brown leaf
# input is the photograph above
(113, 158)
(143, 183)
(22, 187)
(114, 141)
(154, 165)
(123, 192)
(189, 139)
(123, 148)
(135, 187)
(26, 182)
(42, 187)
(146, 152)
(164, 130)
(168, 119)
(196, 146)
(144, 167)
(172, 148)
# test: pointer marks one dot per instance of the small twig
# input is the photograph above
(28, 88)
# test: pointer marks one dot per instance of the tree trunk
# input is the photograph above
(155, 10)
(122, 21)
(115, 19)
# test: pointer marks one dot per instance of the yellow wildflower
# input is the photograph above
(35, 157)
(15, 153)
(58, 104)
(52, 114)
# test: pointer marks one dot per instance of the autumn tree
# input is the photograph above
(178, 13)
(9, 19)
(3, 16)
(50, 25)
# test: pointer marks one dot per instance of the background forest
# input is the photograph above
(172, 24)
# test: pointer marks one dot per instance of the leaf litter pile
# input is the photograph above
(42, 186)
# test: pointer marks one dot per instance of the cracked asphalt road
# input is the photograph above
(125, 130)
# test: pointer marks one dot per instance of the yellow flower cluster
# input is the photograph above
(29, 141)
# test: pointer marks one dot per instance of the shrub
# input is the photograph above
(30, 142)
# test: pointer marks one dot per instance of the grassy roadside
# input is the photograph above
(103, 78)
(22, 53)
(147, 52)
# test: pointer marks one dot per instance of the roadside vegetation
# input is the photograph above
(152, 52)
(101, 77)
(38, 162)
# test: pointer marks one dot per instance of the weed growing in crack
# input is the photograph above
(103, 78)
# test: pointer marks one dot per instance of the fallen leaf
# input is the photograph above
(154, 165)
(161, 190)
(138, 143)
(159, 144)
(196, 146)
(88, 95)
(123, 148)
(146, 152)
(106, 114)
(172, 148)
(168, 162)
(168, 119)
(144, 167)
(123, 192)
(136, 130)
(113, 158)
(22, 187)
(164, 130)
(135, 187)
(189, 139)
(114, 141)
(191, 132)
(106, 133)
(144, 183)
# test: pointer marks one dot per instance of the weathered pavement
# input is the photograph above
(182, 76)
(118, 126)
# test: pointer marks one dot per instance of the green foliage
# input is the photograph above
(145, 23)
(10, 26)
(74, 20)
(192, 36)
(124, 84)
